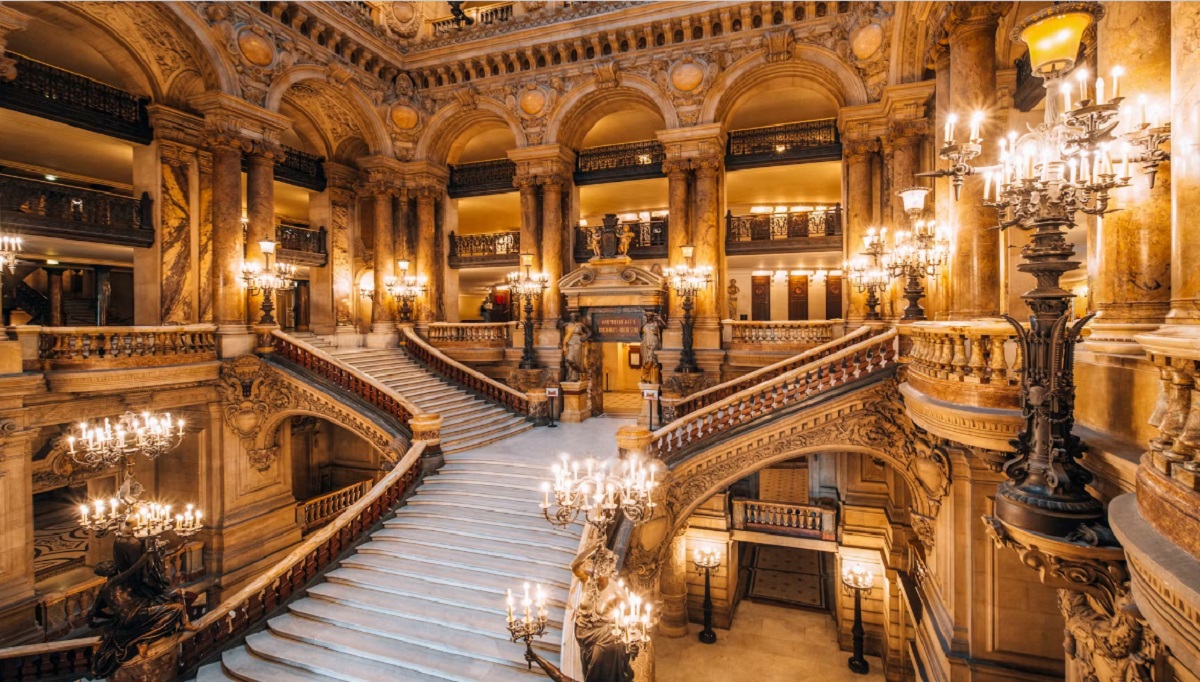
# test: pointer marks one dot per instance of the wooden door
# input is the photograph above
(760, 297)
(833, 297)
(797, 297)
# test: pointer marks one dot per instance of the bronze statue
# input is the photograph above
(576, 334)
(135, 607)
(651, 342)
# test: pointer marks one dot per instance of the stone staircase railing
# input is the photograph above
(452, 370)
(66, 348)
(974, 362)
(225, 624)
(471, 334)
(785, 518)
(673, 409)
(70, 659)
(867, 355)
(312, 513)
(780, 334)
(344, 376)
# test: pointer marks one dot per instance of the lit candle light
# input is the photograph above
(1099, 91)
(1066, 95)
(951, 122)
(1082, 77)
(1117, 72)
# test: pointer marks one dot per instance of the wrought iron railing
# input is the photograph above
(785, 518)
(787, 143)
(50, 92)
(50, 209)
(493, 248)
(480, 178)
(820, 221)
(301, 169)
(311, 514)
(117, 347)
(649, 240)
(448, 368)
(619, 161)
(303, 239)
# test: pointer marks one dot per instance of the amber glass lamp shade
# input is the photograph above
(1053, 35)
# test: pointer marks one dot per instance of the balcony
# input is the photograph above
(649, 239)
(790, 336)
(480, 16)
(482, 178)
(484, 250)
(818, 522)
(50, 92)
(809, 228)
(51, 209)
(301, 169)
(300, 245)
(617, 162)
(782, 144)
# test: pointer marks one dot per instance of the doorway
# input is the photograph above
(621, 369)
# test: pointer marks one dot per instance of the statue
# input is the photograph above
(485, 308)
(576, 334)
(625, 239)
(732, 293)
(135, 607)
(651, 342)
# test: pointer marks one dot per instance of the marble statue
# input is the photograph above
(651, 342)
(732, 293)
(626, 239)
(574, 342)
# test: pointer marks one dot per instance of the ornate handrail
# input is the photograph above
(785, 518)
(821, 375)
(780, 334)
(973, 362)
(50, 92)
(344, 377)
(234, 617)
(452, 370)
(789, 142)
(821, 221)
(632, 159)
(296, 238)
(701, 399)
(50, 209)
(481, 177)
(471, 334)
(492, 248)
(69, 659)
(318, 510)
(62, 348)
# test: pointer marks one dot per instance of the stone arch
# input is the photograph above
(368, 430)
(822, 68)
(582, 107)
(371, 126)
(446, 127)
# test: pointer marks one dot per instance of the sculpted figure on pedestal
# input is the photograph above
(732, 293)
(651, 342)
(575, 337)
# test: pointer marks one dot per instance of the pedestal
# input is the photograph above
(10, 357)
(234, 341)
(428, 427)
(383, 335)
(649, 407)
(575, 405)
(539, 405)
(345, 336)
(156, 665)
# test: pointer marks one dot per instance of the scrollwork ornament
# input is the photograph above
(263, 458)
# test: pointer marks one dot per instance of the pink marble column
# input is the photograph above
(204, 225)
(530, 243)
(975, 287)
(552, 240)
(229, 306)
(260, 211)
(383, 310)
(708, 238)
(678, 228)
(856, 154)
(431, 309)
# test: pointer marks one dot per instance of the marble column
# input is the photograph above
(678, 229)
(340, 198)
(943, 198)
(856, 154)
(54, 284)
(431, 309)
(1185, 183)
(905, 139)
(383, 311)
(204, 228)
(975, 249)
(229, 305)
(530, 243)
(673, 587)
(552, 239)
(708, 237)
(260, 214)
(174, 245)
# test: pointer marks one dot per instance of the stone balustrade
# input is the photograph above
(64, 348)
(471, 335)
(783, 335)
(972, 363)
(319, 510)
(784, 518)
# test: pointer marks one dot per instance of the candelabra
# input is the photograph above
(688, 281)
(528, 284)
(632, 622)
(108, 443)
(707, 561)
(918, 252)
(138, 519)
(270, 277)
(598, 493)
(531, 624)
(10, 250)
(1044, 178)
(858, 580)
(866, 272)
(405, 289)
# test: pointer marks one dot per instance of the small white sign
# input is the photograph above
(552, 392)
(649, 394)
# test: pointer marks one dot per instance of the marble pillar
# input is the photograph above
(260, 215)
(530, 242)
(1185, 181)
(975, 247)
(383, 311)
(708, 238)
(229, 305)
(673, 587)
(856, 154)
(177, 289)
(679, 226)
(905, 139)
(204, 236)
(552, 239)
(431, 309)
(1131, 283)
(103, 293)
(939, 299)
(54, 278)
(341, 204)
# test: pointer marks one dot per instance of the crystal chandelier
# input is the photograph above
(10, 249)
(108, 443)
(268, 278)
(406, 288)
(598, 493)
(918, 253)
(688, 281)
(525, 283)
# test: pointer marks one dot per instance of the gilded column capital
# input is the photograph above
(676, 166)
(232, 124)
(974, 16)
(525, 183)
(905, 133)
(857, 150)
(269, 151)
(559, 181)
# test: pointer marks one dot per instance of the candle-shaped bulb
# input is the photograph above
(1117, 72)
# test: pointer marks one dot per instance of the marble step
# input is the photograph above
(213, 672)
(496, 499)
(490, 462)
(429, 517)
(454, 426)
(449, 595)
(452, 573)
(473, 509)
(243, 665)
(455, 437)
(481, 620)
(465, 409)
(396, 654)
(288, 647)
(518, 426)
(438, 559)
(524, 484)
(478, 544)
(456, 400)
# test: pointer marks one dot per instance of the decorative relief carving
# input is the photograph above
(778, 45)
(263, 458)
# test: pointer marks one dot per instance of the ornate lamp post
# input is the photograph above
(688, 281)
(527, 285)
(1044, 178)
(405, 289)
(866, 273)
(918, 253)
(857, 579)
(707, 560)
(270, 277)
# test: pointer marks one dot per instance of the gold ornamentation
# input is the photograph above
(255, 46)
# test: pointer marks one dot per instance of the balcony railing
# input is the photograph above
(471, 335)
(50, 209)
(448, 368)
(64, 348)
(631, 161)
(301, 169)
(481, 178)
(973, 363)
(783, 518)
(649, 240)
(781, 335)
(311, 514)
(50, 92)
(301, 245)
(817, 229)
(493, 14)
(482, 250)
(787, 143)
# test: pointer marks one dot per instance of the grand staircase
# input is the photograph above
(423, 599)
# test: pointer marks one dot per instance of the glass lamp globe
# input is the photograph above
(1053, 35)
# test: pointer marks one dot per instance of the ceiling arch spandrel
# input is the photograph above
(321, 111)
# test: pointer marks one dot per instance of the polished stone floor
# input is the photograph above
(766, 644)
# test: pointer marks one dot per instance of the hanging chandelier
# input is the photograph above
(138, 519)
(598, 493)
(109, 443)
